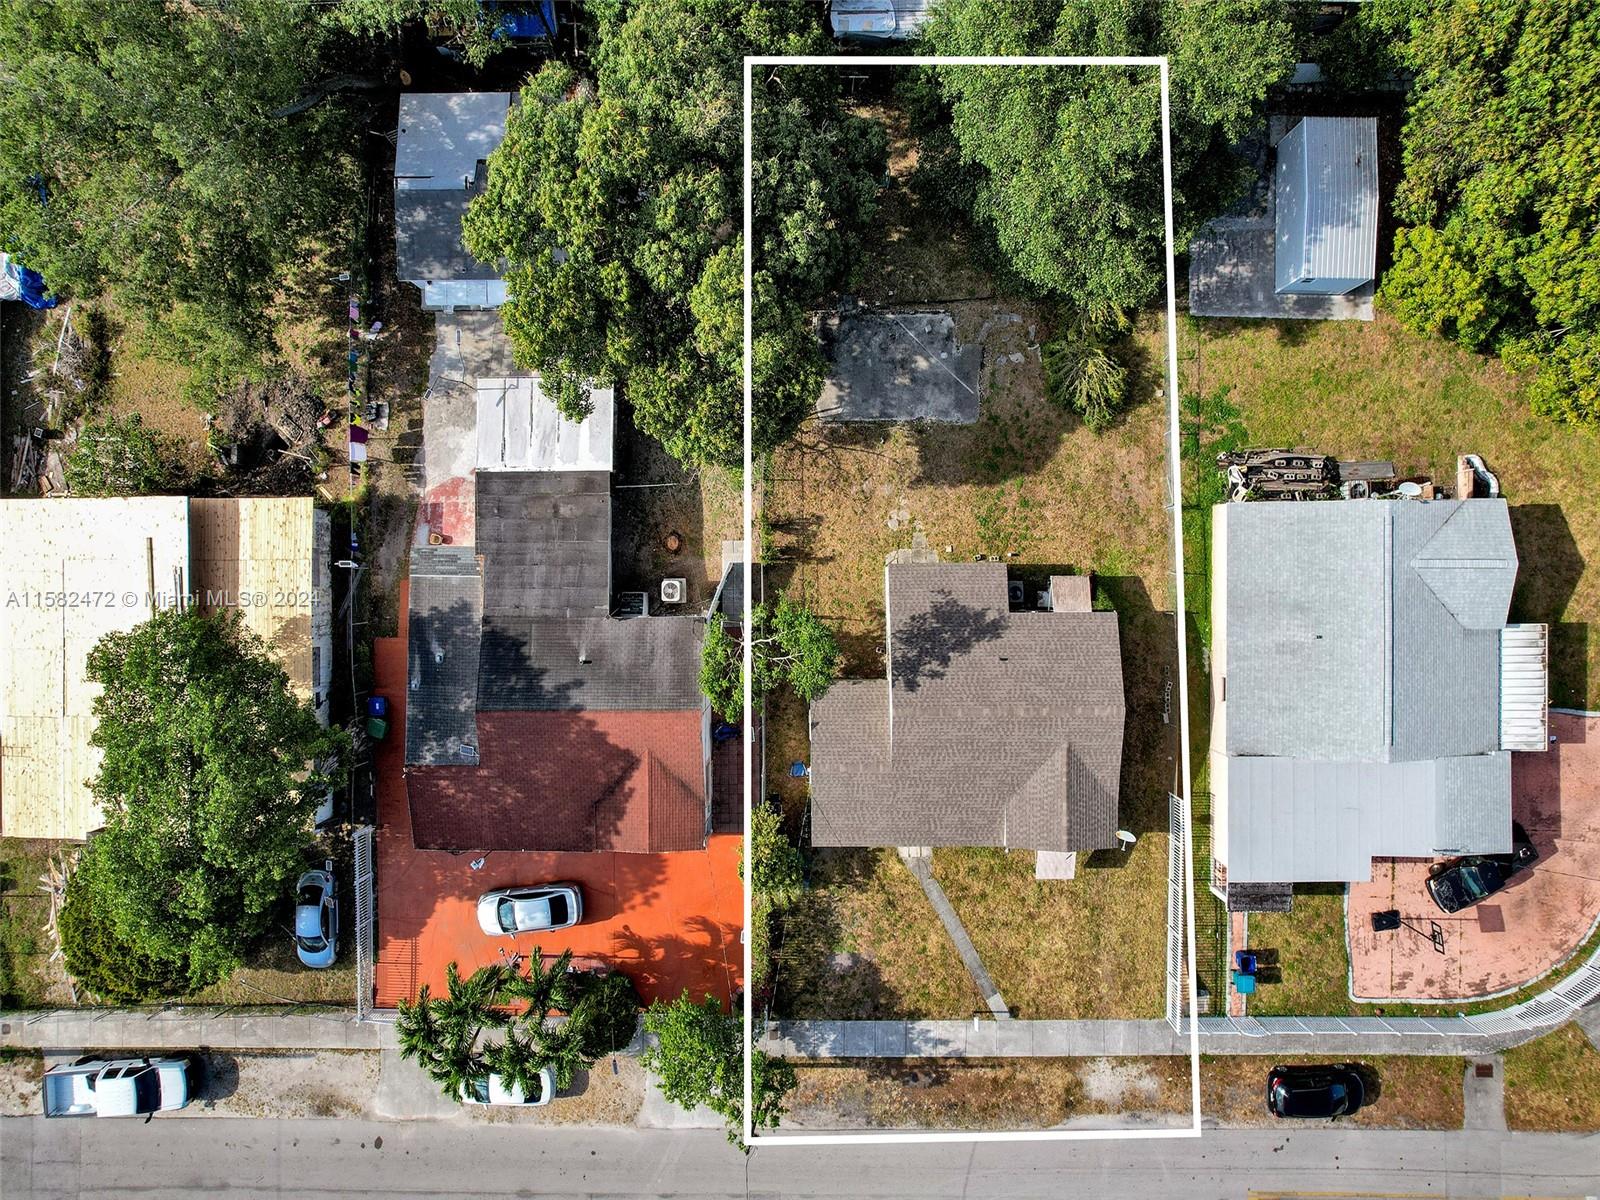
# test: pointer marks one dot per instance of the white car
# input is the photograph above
(534, 909)
(491, 1089)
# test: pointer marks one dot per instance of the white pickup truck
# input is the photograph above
(123, 1087)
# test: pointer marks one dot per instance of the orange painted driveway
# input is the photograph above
(1517, 934)
(669, 921)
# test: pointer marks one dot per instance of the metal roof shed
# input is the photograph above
(1327, 206)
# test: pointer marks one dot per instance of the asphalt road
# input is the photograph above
(308, 1159)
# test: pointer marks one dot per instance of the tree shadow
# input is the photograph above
(927, 643)
(1551, 567)
(816, 974)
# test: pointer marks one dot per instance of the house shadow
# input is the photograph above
(653, 498)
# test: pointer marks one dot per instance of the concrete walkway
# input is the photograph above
(971, 1039)
(190, 1028)
(1484, 1093)
(1093, 1039)
(921, 866)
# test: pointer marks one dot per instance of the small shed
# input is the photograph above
(1327, 206)
(879, 20)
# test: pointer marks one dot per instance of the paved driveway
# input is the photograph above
(670, 921)
(1516, 935)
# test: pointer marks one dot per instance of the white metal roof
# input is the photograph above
(1524, 687)
(451, 294)
(442, 136)
(1327, 203)
(519, 429)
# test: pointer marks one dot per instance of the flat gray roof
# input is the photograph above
(899, 366)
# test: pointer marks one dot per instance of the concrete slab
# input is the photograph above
(405, 1093)
(899, 366)
(657, 1112)
(1518, 934)
(1232, 269)
(1485, 1094)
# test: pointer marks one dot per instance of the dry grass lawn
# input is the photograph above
(865, 944)
(1062, 950)
(1402, 1092)
(1034, 1093)
(1027, 483)
(1553, 1084)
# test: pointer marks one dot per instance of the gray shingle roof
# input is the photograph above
(546, 542)
(1361, 642)
(548, 643)
(993, 728)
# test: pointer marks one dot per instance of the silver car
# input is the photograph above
(530, 909)
(316, 918)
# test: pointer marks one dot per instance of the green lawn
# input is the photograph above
(1312, 960)
(1064, 950)
(1553, 1084)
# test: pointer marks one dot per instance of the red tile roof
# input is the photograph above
(621, 781)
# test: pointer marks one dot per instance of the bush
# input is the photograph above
(1081, 375)
(113, 969)
(120, 458)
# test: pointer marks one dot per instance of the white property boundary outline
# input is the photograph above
(1176, 484)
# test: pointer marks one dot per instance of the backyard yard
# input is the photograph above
(1029, 485)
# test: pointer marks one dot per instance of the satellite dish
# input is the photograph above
(1126, 840)
(1410, 490)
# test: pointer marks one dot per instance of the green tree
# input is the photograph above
(1081, 373)
(121, 457)
(777, 880)
(722, 672)
(789, 645)
(467, 26)
(1069, 178)
(698, 1058)
(160, 152)
(210, 772)
(616, 201)
(116, 971)
(1497, 248)
(496, 1020)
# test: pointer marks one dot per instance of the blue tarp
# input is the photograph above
(17, 282)
(532, 24)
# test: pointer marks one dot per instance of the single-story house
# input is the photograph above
(1367, 691)
(442, 146)
(539, 717)
(991, 727)
(76, 569)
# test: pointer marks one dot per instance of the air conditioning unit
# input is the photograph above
(673, 591)
(633, 604)
(1016, 593)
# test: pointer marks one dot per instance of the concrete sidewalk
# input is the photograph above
(1092, 1039)
(920, 865)
(181, 1028)
(971, 1039)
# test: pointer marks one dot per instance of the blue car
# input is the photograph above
(316, 918)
